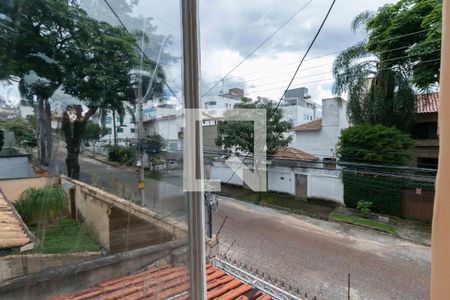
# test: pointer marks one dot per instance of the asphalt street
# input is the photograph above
(314, 256)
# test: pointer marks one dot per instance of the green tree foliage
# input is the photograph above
(240, 134)
(41, 206)
(93, 132)
(374, 144)
(23, 130)
(402, 47)
(420, 22)
(153, 146)
(122, 154)
(55, 44)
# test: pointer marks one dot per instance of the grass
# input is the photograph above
(364, 222)
(315, 208)
(66, 236)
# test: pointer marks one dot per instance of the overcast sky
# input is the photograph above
(231, 29)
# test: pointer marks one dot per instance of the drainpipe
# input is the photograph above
(440, 240)
(191, 89)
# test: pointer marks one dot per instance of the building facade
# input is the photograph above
(319, 137)
(298, 107)
(425, 132)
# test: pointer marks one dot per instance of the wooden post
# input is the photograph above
(440, 242)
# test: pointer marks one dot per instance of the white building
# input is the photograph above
(298, 107)
(167, 121)
(125, 127)
(213, 104)
(319, 137)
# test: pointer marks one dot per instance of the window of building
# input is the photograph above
(426, 130)
(132, 130)
(119, 130)
(427, 162)
(108, 120)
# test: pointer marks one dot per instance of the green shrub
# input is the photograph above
(121, 154)
(41, 206)
(364, 207)
(384, 192)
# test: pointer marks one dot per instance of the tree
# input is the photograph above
(2, 139)
(33, 33)
(153, 145)
(403, 46)
(104, 79)
(375, 144)
(239, 135)
(23, 130)
(41, 206)
(408, 33)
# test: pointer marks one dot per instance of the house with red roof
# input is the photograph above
(425, 131)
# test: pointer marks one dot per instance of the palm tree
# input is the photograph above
(40, 206)
(378, 91)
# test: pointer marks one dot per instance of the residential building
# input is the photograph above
(125, 127)
(213, 104)
(166, 120)
(425, 132)
(319, 137)
(298, 107)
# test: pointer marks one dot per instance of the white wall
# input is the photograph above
(220, 104)
(322, 142)
(322, 184)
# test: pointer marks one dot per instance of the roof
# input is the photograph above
(293, 153)
(313, 125)
(13, 231)
(169, 282)
(427, 103)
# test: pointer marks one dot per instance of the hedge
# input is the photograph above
(384, 192)
(121, 154)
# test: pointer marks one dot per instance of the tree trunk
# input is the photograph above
(114, 127)
(73, 133)
(44, 126)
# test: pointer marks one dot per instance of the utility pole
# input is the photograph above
(140, 129)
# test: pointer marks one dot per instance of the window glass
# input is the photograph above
(73, 78)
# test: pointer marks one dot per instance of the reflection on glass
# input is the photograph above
(86, 90)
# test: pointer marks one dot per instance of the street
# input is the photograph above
(312, 255)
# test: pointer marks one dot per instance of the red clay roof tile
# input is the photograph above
(427, 103)
(313, 125)
(293, 153)
(167, 282)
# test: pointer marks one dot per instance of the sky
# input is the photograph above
(231, 29)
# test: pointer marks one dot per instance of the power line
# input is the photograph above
(293, 77)
(321, 65)
(138, 47)
(258, 47)
(330, 72)
(337, 52)
(304, 56)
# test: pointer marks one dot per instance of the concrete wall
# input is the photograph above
(14, 187)
(94, 207)
(70, 278)
(15, 167)
(19, 265)
(322, 183)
